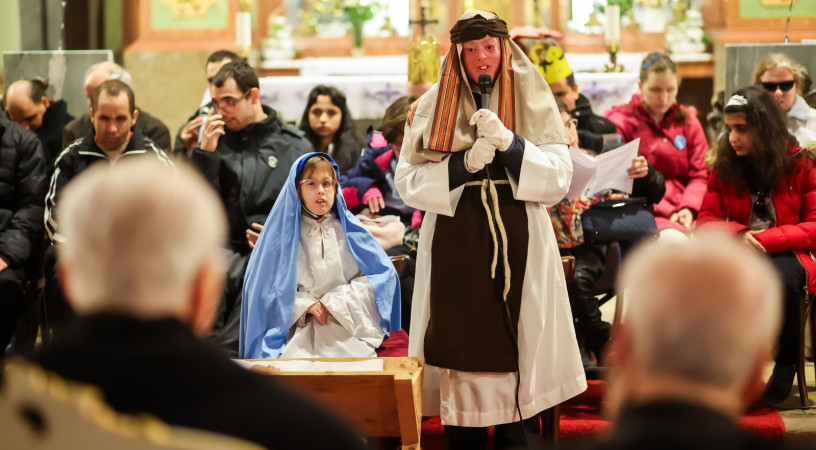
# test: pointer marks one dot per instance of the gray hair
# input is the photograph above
(114, 71)
(136, 234)
(703, 310)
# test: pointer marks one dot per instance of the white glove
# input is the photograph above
(491, 128)
(480, 155)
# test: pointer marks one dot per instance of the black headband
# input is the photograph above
(478, 27)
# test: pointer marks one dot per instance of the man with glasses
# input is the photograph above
(188, 135)
(245, 153)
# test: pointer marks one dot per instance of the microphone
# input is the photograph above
(485, 86)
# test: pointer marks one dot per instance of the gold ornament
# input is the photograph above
(189, 8)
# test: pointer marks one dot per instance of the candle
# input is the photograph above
(612, 23)
(243, 33)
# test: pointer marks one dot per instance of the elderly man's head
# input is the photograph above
(26, 103)
(702, 317)
(142, 239)
(101, 72)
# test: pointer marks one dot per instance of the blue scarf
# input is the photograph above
(270, 284)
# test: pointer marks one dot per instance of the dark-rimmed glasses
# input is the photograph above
(784, 86)
(312, 184)
(229, 102)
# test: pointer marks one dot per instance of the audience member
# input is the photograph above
(671, 139)
(369, 188)
(330, 128)
(245, 154)
(342, 296)
(763, 190)
(591, 127)
(188, 135)
(488, 261)
(22, 188)
(150, 126)
(113, 137)
(688, 357)
(28, 105)
(779, 75)
(142, 266)
(590, 257)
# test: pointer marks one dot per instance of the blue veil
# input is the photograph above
(270, 283)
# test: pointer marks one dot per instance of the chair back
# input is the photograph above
(40, 410)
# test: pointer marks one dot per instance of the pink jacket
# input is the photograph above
(794, 199)
(675, 149)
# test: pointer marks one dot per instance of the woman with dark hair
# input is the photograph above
(671, 139)
(329, 126)
(763, 190)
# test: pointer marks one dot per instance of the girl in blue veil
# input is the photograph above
(318, 284)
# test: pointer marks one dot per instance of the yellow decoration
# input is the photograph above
(549, 59)
(423, 60)
(189, 8)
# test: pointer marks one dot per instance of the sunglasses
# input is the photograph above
(784, 86)
(761, 207)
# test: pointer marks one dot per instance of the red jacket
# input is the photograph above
(794, 200)
(675, 149)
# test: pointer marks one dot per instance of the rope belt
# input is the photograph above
(494, 214)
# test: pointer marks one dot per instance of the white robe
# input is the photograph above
(328, 273)
(549, 360)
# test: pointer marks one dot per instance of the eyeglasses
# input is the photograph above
(229, 102)
(573, 122)
(784, 86)
(312, 184)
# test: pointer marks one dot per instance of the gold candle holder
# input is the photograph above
(613, 47)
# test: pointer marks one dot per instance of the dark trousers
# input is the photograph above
(227, 325)
(57, 309)
(12, 302)
(792, 275)
(590, 262)
(514, 435)
(406, 282)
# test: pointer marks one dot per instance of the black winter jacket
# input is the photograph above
(248, 169)
(22, 188)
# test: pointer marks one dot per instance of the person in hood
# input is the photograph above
(318, 285)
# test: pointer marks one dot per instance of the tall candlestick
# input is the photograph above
(612, 31)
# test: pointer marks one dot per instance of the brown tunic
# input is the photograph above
(468, 328)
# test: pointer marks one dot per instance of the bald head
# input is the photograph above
(704, 311)
(26, 103)
(101, 72)
(140, 238)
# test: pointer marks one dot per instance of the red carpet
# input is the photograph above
(580, 416)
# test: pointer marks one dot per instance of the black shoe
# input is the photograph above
(779, 385)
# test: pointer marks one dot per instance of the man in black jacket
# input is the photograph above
(22, 186)
(591, 127)
(112, 137)
(702, 317)
(246, 152)
(28, 105)
(150, 126)
(142, 266)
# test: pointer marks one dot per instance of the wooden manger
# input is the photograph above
(381, 403)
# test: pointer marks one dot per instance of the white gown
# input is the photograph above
(549, 360)
(328, 273)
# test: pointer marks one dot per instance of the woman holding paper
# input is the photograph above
(763, 190)
(590, 257)
(671, 139)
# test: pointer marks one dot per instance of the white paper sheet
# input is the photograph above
(368, 365)
(591, 174)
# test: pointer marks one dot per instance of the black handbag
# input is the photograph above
(619, 220)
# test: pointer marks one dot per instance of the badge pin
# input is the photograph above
(680, 142)
(272, 161)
